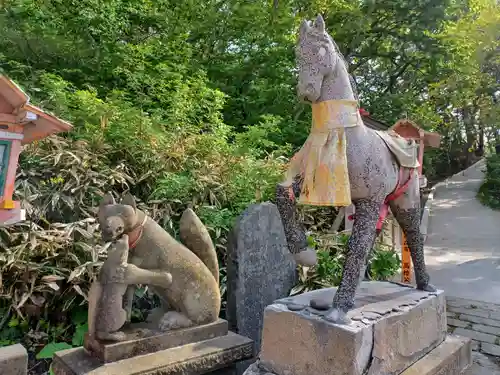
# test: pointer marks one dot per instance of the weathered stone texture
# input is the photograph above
(478, 336)
(490, 349)
(260, 269)
(477, 320)
(196, 358)
(392, 327)
(451, 357)
(155, 341)
(13, 360)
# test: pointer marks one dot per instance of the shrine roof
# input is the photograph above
(25, 118)
(410, 129)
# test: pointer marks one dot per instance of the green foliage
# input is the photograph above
(48, 350)
(384, 263)
(489, 192)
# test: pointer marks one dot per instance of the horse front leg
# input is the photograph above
(360, 242)
(295, 233)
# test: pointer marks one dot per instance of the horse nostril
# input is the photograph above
(119, 229)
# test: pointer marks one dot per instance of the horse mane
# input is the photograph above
(346, 65)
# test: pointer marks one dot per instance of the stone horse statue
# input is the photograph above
(343, 161)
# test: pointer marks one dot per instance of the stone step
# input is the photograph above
(195, 358)
(392, 327)
(452, 357)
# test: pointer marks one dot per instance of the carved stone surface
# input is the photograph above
(196, 358)
(451, 357)
(110, 314)
(260, 269)
(392, 327)
(143, 339)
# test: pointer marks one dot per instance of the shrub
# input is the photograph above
(489, 192)
(384, 263)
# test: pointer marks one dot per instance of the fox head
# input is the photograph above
(116, 219)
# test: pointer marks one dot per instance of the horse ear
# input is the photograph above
(129, 200)
(320, 24)
(304, 27)
(108, 199)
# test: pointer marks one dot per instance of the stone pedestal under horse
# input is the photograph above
(343, 161)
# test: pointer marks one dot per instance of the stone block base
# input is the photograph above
(143, 339)
(392, 327)
(451, 357)
(13, 360)
(195, 358)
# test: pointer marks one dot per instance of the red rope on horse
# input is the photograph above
(384, 209)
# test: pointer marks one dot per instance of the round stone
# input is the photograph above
(295, 307)
(320, 304)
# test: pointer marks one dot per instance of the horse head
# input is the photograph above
(317, 58)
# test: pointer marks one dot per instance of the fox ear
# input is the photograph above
(129, 200)
(108, 199)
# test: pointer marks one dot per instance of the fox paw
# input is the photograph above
(174, 320)
(115, 336)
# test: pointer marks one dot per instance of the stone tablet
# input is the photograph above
(260, 269)
(392, 327)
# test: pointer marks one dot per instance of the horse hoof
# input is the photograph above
(335, 315)
(306, 258)
(427, 288)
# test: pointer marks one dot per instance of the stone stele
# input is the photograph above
(392, 326)
(260, 269)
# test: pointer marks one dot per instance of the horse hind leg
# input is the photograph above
(360, 242)
(406, 210)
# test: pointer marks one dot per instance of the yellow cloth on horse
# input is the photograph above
(322, 160)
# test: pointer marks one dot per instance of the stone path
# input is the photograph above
(483, 365)
(462, 249)
(463, 241)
